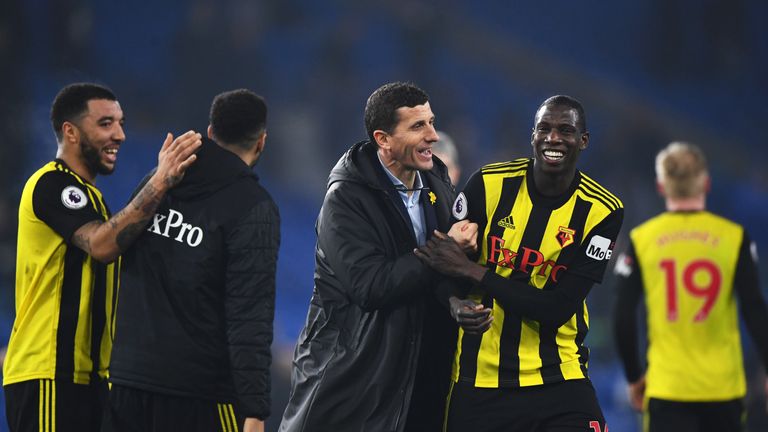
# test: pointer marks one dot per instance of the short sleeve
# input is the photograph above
(63, 203)
(596, 249)
(470, 202)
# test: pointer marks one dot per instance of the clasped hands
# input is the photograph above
(446, 253)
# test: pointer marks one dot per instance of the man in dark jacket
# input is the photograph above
(375, 353)
(197, 292)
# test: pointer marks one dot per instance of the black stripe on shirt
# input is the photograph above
(548, 350)
(69, 312)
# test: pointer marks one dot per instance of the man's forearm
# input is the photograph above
(105, 241)
(143, 206)
(551, 306)
(474, 272)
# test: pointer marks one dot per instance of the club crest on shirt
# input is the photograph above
(74, 198)
(565, 236)
(459, 208)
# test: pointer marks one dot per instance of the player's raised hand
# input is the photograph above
(176, 155)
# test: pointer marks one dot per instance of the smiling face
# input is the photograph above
(101, 134)
(557, 140)
(408, 148)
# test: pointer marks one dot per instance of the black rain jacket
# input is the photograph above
(197, 291)
(376, 350)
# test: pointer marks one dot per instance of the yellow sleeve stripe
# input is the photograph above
(500, 164)
(517, 165)
(594, 196)
(586, 180)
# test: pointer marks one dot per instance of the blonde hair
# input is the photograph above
(681, 169)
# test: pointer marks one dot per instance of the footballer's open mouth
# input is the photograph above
(111, 153)
(552, 155)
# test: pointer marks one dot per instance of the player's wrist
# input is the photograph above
(474, 271)
(158, 182)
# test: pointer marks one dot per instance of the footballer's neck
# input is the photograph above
(696, 203)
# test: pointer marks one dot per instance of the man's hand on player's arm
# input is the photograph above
(444, 255)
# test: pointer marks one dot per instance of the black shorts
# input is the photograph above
(134, 410)
(566, 406)
(50, 405)
(726, 416)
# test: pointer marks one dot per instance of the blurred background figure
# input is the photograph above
(689, 265)
(446, 150)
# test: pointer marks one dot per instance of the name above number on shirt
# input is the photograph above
(529, 259)
(173, 226)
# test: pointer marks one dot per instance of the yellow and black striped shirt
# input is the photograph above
(64, 298)
(533, 242)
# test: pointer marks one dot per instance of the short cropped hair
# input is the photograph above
(238, 117)
(72, 102)
(570, 102)
(681, 169)
(381, 107)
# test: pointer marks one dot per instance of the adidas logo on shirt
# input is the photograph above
(507, 222)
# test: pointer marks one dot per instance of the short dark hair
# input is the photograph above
(238, 117)
(72, 102)
(570, 102)
(382, 104)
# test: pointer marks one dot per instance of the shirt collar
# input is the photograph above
(417, 184)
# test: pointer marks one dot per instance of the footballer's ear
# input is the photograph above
(584, 141)
(70, 133)
(261, 142)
